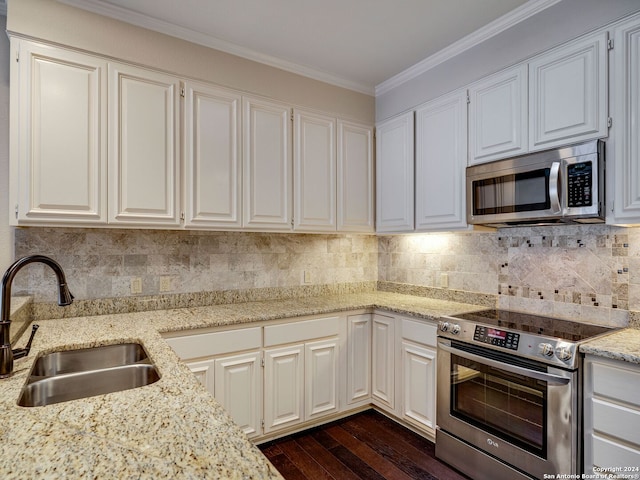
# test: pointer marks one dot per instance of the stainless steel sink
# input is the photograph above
(69, 375)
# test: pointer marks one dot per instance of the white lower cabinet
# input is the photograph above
(611, 417)
(238, 387)
(321, 378)
(358, 358)
(270, 378)
(418, 363)
(283, 387)
(383, 361)
(233, 378)
(291, 374)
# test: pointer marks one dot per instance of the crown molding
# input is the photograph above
(199, 38)
(532, 7)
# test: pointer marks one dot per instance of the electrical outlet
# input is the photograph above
(307, 276)
(165, 284)
(136, 285)
(444, 280)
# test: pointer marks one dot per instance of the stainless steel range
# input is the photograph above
(509, 394)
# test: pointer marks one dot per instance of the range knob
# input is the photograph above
(545, 349)
(454, 328)
(444, 326)
(563, 353)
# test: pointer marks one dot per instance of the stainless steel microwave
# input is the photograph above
(565, 185)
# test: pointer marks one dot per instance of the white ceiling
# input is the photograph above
(357, 44)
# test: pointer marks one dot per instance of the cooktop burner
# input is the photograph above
(567, 330)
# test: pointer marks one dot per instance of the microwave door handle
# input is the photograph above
(554, 187)
(546, 377)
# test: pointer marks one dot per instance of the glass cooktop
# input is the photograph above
(536, 324)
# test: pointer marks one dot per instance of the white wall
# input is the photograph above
(6, 232)
(563, 21)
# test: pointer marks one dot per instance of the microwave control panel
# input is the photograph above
(579, 184)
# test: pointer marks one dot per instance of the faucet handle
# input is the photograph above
(23, 352)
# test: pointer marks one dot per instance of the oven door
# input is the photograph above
(521, 412)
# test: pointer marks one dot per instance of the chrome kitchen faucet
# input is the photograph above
(64, 298)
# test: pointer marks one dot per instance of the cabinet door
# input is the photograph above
(394, 174)
(283, 387)
(568, 94)
(321, 378)
(212, 164)
(204, 371)
(441, 158)
(623, 186)
(419, 385)
(58, 136)
(238, 380)
(498, 116)
(144, 144)
(358, 358)
(314, 172)
(355, 177)
(267, 165)
(383, 361)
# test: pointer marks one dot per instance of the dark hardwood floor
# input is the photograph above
(367, 445)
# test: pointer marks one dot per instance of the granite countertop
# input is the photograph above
(622, 345)
(170, 429)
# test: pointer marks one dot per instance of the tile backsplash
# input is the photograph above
(584, 272)
(101, 263)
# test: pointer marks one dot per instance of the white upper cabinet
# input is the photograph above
(355, 177)
(144, 146)
(58, 136)
(212, 156)
(394, 174)
(568, 93)
(267, 165)
(498, 116)
(624, 185)
(441, 158)
(314, 171)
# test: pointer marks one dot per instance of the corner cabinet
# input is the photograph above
(395, 174)
(58, 145)
(440, 162)
(144, 146)
(332, 174)
(624, 186)
(611, 418)
(568, 93)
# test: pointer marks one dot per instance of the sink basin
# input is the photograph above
(74, 374)
(82, 360)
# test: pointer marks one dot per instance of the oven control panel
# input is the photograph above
(494, 336)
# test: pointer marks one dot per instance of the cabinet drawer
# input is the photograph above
(616, 420)
(216, 343)
(609, 454)
(300, 331)
(420, 332)
(616, 382)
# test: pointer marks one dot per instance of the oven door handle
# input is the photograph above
(547, 377)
